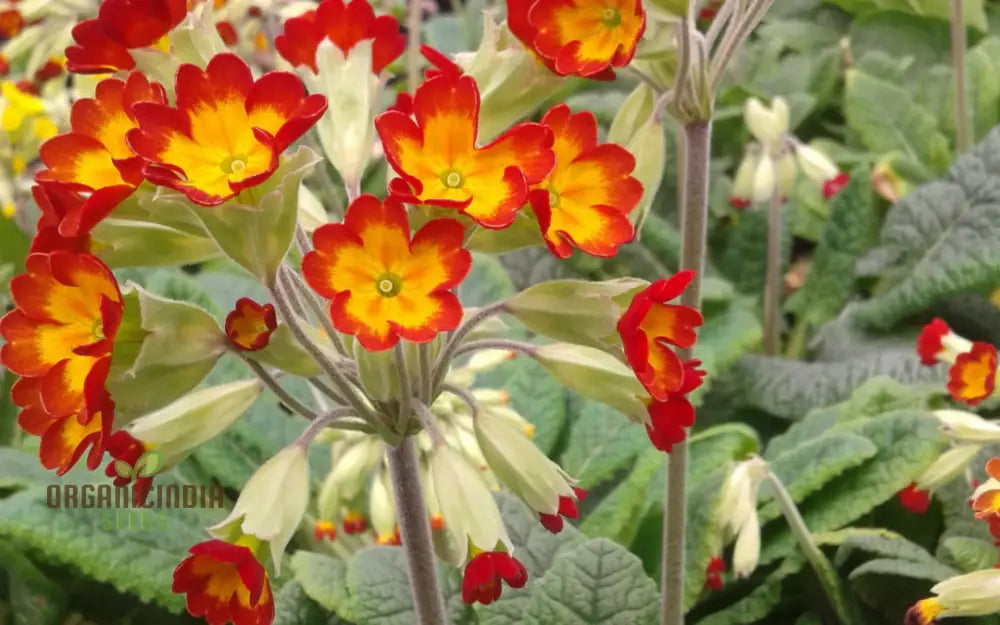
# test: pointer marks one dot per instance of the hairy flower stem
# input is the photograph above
(443, 361)
(819, 563)
(284, 396)
(772, 277)
(413, 24)
(405, 392)
(958, 46)
(415, 533)
(694, 217)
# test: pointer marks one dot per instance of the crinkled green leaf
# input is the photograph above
(293, 606)
(968, 554)
(937, 241)
(983, 71)
(20, 468)
(759, 602)
(740, 252)
(724, 338)
(809, 467)
(899, 36)
(704, 540)
(596, 583)
(791, 388)
(908, 442)
(849, 232)
(486, 283)
(601, 441)
(933, 571)
(887, 119)
(883, 543)
(323, 579)
(619, 514)
(35, 599)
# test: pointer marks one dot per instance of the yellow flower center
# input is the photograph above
(553, 198)
(97, 329)
(388, 284)
(234, 164)
(611, 17)
(452, 179)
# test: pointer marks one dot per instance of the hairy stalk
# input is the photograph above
(297, 284)
(958, 46)
(405, 393)
(819, 562)
(424, 372)
(464, 395)
(337, 418)
(447, 354)
(415, 533)
(514, 346)
(694, 206)
(413, 24)
(772, 277)
(286, 398)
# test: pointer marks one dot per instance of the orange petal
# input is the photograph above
(973, 376)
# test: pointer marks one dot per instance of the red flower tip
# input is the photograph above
(52, 69)
(716, 567)
(11, 24)
(345, 25)
(551, 522)
(437, 522)
(973, 376)
(739, 203)
(484, 573)
(225, 582)
(403, 103)
(228, 33)
(929, 341)
(354, 522)
(567, 508)
(249, 325)
(123, 446)
(915, 500)
(832, 186)
(28, 86)
(325, 530)
(102, 44)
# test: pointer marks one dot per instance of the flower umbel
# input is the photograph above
(436, 156)
(383, 284)
(227, 130)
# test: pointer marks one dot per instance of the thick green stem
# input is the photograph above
(958, 46)
(772, 277)
(694, 206)
(819, 563)
(415, 534)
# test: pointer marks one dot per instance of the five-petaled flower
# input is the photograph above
(103, 43)
(383, 284)
(93, 159)
(439, 163)
(973, 372)
(670, 418)
(227, 130)
(483, 575)
(567, 508)
(345, 25)
(580, 37)
(249, 325)
(586, 199)
(651, 326)
(225, 582)
(59, 339)
(986, 499)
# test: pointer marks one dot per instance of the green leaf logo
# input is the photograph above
(123, 469)
(147, 465)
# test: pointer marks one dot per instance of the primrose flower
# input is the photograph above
(344, 24)
(102, 44)
(738, 517)
(651, 326)
(669, 419)
(226, 582)
(986, 498)
(972, 594)
(324, 530)
(94, 157)
(249, 325)
(973, 372)
(59, 338)
(227, 130)
(586, 199)
(55, 203)
(439, 163)
(581, 37)
(384, 285)
(914, 499)
(481, 580)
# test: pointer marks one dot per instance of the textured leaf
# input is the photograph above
(486, 283)
(968, 554)
(884, 543)
(724, 338)
(704, 541)
(619, 514)
(34, 598)
(760, 601)
(601, 441)
(887, 119)
(849, 232)
(791, 388)
(983, 71)
(741, 255)
(932, 571)
(20, 468)
(532, 265)
(323, 579)
(173, 284)
(899, 36)
(908, 442)
(937, 241)
(596, 583)
(292, 606)
(133, 560)
(810, 466)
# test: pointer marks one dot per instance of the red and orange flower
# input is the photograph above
(56, 202)
(580, 37)
(93, 160)
(354, 522)
(670, 418)
(102, 44)
(484, 573)
(325, 530)
(123, 446)
(227, 130)
(914, 499)
(225, 583)
(986, 500)
(973, 365)
(59, 338)
(439, 163)
(651, 327)
(384, 285)
(585, 200)
(345, 25)
(249, 325)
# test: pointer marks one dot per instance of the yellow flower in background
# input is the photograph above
(18, 106)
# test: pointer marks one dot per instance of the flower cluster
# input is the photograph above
(972, 365)
(773, 160)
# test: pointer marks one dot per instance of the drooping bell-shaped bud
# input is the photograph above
(767, 124)
(746, 551)
(271, 504)
(972, 594)
(947, 467)
(596, 375)
(765, 179)
(967, 427)
(382, 510)
(743, 182)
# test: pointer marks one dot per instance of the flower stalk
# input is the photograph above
(772, 276)
(958, 48)
(415, 532)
